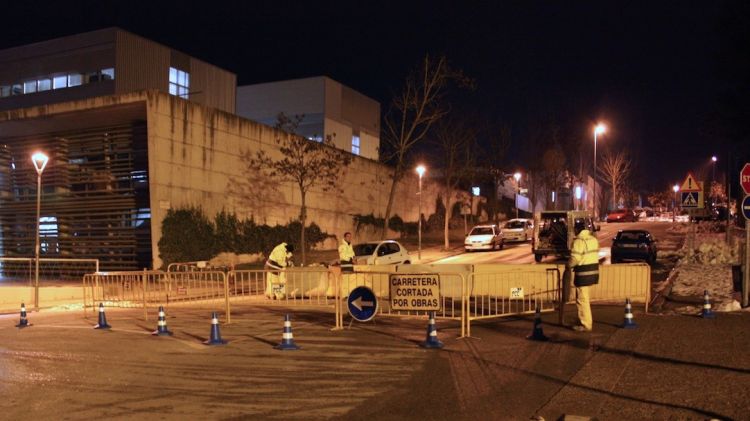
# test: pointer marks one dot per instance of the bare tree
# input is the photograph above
(304, 162)
(496, 159)
(413, 112)
(554, 172)
(614, 170)
(456, 140)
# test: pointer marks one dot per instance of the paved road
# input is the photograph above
(521, 252)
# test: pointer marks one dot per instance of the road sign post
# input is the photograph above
(745, 207)
(362, 304)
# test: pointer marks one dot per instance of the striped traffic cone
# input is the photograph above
(23, 322)
(538, 333)
(707, 313)
(161, 326)
(287, 338)
(102, 319)
(628, 322)
(432, 340)
(215, 333)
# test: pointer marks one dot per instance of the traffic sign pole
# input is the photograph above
(745, 208)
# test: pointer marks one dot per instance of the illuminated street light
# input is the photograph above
(675, 189)
(517, 176)
(713, 169)
(599, 129)
(40, 162)
(420, 170)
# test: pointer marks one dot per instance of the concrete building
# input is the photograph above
(126, 147)
(328, 107)
(107, 62)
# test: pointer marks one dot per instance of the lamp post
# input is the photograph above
(599, 129)
(675, 189)
(420, 170)
(713, 179)
(40, 161)
(517, 177)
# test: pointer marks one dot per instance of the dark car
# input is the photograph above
(633, 245)
(621, 215)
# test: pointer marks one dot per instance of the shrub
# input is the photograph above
(187, 235)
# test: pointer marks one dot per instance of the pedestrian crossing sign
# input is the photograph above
(692, 199)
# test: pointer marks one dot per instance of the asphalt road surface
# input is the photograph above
(521, 252)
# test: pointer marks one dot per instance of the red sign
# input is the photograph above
(745, 178)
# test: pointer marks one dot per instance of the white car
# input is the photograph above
(519, 229)
(484, 237)
(386, 252)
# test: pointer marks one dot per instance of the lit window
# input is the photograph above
(355, 145)
(60, 82)
(108, 74)
(179, 83)
(75, 79)
(17, 89)
(4, 91)
(29, 87)
(45, 84)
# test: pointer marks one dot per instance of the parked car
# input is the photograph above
(387, 252)
(633, 245)
(518, 229)
(484, 237)
(621, 215)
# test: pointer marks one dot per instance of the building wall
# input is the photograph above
(194, 159)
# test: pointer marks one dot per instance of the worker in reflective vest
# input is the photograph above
(584, 262)
(346, 254)
(277, 261)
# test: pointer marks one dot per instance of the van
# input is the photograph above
(554, 232)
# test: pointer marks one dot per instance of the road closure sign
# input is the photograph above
(411, 291)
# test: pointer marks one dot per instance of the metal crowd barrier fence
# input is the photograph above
(22, 269)
(197, 266)
(141, 289)
(494, 295)
(621, 281)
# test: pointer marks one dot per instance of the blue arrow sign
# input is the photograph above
(746, 207)
(362, 304)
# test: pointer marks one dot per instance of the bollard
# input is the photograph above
(215, 338)
(538, 333)
(161, 325)
(707, 313)
(432, 340)
(23, 322)
(102, 319)
(287, 338)
(628, 322)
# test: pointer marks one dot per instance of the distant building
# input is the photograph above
(107, 62)
(328, 107)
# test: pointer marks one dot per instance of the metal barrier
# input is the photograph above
(620, 281)
(21, 269)
(452, 287)
(141, 289)
(493, 295)
(197, 266)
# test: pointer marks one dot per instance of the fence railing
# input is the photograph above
(478, 296)
(22, 269)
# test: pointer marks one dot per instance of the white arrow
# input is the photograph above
(359, 303)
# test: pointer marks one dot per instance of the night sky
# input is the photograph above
(668, 78)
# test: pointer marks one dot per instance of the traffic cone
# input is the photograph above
(287, 338)
(707, 313)
(215, 333)
(628, 322)
(432, 340)
(23, 322)
(102, 319)
(538, 333)
(161, 326)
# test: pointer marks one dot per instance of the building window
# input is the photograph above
(29, 87)
(4, 91)
(108, 74)
(355, 145)
(17, 89)
(59, 82)
(179, 83)
(75, 79)
(44, 84)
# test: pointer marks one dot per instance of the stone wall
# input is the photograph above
(195, 159)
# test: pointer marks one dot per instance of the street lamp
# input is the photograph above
(517, 176)
(713, 177)
(40, 161)
(599, 129)
(420, 170)
(675, 189)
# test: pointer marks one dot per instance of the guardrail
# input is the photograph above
(21, 269)
(502, 294)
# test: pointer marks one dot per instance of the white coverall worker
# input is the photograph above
(584, 261)
(277, 262)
